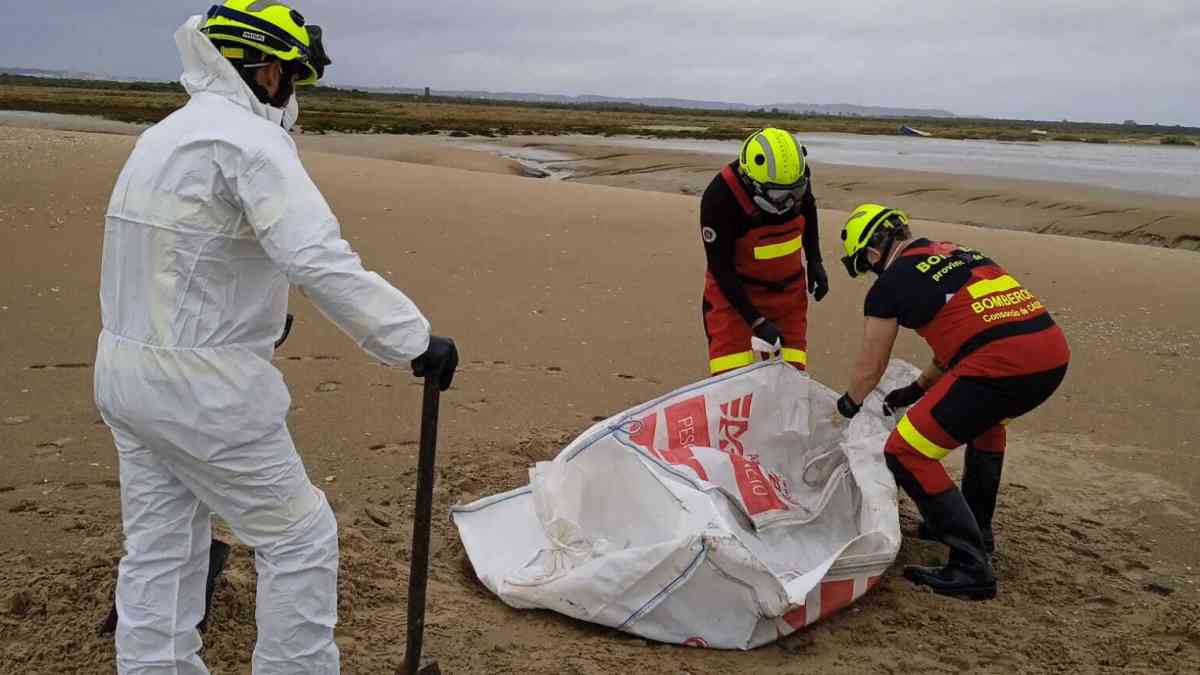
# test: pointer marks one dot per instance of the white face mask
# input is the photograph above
(286, 116)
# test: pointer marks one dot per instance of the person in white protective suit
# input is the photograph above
(211, 219)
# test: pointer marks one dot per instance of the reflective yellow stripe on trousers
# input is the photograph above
(795, 356)
(916, 439)
(779, 250)
(731, 362)
(734, 361)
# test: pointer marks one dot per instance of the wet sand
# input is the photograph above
(1035, 206)
(571, 302)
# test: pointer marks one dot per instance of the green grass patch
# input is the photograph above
(1177, 140)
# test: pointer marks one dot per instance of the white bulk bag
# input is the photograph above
(726, 514)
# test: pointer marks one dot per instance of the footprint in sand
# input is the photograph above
(635, 378)
(24, 506)
(391, 447)
(1100, 603)
(1158, 589)
(330, 386)
(50, 450)
(473, 406)
(1134, 570)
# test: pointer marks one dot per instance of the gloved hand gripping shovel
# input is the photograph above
(418, 574)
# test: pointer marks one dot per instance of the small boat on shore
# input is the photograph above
(909, 131)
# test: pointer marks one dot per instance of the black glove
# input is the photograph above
(818, 281)
(847, 407)
(767, 332)
(439, 361)
(902, 397)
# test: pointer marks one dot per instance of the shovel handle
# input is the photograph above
(418, 575)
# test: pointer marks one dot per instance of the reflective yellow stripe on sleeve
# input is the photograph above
(795, 356)
(916, 439)
(779, 250)
(998, 285)
(724, 363)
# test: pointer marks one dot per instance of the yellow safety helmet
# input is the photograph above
(868, 225)
(774, 165)
(271, 28)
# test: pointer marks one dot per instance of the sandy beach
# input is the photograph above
(572, 300)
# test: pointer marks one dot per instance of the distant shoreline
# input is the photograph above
(1040, 206)
(353, 111)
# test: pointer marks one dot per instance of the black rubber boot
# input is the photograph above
(968, 573)
(980, 485)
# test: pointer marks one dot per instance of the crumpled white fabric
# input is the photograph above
(211, 219)
(725, 514)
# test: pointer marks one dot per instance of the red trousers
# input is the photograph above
(729, 334)
(964, 409)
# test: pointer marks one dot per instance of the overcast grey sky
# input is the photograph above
(1101, 60)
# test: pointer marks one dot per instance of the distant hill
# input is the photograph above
(56, 74)
(838, 109)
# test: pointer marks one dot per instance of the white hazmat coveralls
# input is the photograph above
(211, 219)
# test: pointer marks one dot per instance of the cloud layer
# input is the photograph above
(1046, 59)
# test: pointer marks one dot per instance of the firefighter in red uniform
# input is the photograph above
(997, 354)
(758, 221)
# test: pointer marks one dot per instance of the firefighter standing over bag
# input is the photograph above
(758, 222)
(997, 354)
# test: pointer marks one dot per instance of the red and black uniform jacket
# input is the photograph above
(747, 247)
(977, 318)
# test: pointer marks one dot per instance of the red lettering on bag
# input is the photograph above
(735, 422)
(687, 423)
(757, 492)
(687, 426)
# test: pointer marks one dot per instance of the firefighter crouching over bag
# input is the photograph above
(997, 354)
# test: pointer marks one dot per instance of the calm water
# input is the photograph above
(40, 120)
(1144, 168)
